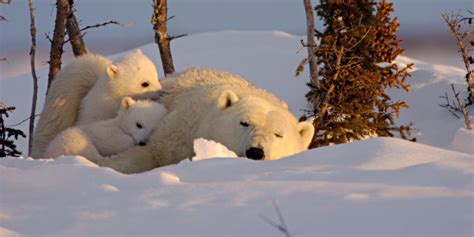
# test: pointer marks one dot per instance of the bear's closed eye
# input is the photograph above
(245, 124)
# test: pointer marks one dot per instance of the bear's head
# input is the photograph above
(138, 118)
(133, 74)
(256, 128)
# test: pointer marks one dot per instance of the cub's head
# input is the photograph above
(255, 128)
(133, 74)
(138, 118)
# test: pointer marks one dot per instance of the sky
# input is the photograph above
(422, 28)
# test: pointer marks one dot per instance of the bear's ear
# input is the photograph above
(112, 71)
(138, 51)
(226, 99)
(127, 103)
(306, 131)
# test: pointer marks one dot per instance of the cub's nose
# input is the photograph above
(142, 143)
(255, 153)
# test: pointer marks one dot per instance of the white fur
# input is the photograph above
(211, 104)
(108, 137)
(125, 77)
(88, 76)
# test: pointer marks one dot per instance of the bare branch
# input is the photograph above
(48, 37)
(310, 34)
(282, 226)
(463, 110)
(452, 108)
(453, 21)
(23, 121)
(2, 18)
(33, 73)
(112, 22)
(175, 37)
(162, 39)
(74, 32)
(58, 40)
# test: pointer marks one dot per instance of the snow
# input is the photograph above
(375, 187)
(332, 191)
(463, 141)
(205, 149)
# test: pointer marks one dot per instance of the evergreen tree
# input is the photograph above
(356, 54)
(8, 135)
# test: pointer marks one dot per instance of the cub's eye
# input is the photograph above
(139, 125)
(278, 135)
(245, 124)
(145, 84)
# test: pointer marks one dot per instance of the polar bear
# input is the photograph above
(90, 88)
(132, 75)
(132, 126)
(219, 106)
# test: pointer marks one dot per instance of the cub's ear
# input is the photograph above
(306, 131)
(138, 51)
(127, 103)
(226, 99)
(112, 71)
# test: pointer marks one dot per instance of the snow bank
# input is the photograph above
(376, 187)
(463, 141)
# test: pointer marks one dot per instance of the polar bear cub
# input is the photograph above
(132, 126)
(133, 74)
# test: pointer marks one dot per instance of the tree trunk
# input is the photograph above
(311, 44)
(158, 20)
(74, 31)
(35, 78)
(58, 40)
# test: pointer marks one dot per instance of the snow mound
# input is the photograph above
(400, 188)
(206, 149)
(463, 141)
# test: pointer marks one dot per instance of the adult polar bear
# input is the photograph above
(222, 107)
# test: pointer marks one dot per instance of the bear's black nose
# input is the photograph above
(255, 153)
(142, 143)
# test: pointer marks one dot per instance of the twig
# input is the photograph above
(35, 78)
(282, 226)
(2, 18)
(102, 24)
(177, 36)
(463, 110)
(48, 37)
(24, 120)
(451, 108)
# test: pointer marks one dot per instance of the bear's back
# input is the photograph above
(209, 83)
